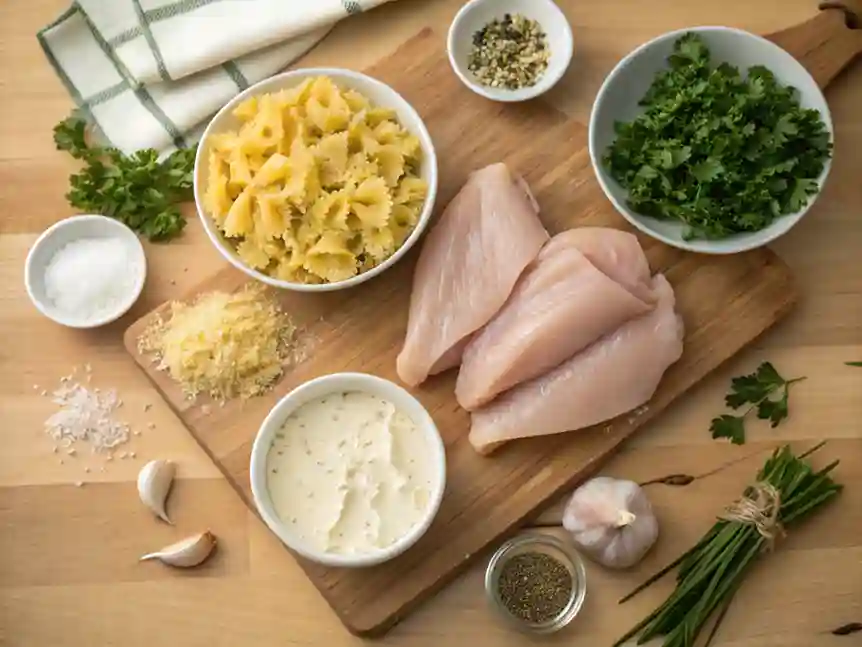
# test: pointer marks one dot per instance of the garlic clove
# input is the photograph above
(154, 485)
(187, 552)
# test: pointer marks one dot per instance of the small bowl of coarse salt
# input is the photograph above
(510, 50)
(85, 271)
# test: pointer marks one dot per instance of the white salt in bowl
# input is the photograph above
(474, 15)
(70, 230)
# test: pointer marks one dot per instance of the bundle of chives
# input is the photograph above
(709, 574)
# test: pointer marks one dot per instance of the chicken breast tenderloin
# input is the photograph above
(612, 376)
(467, 268)
(584, 284)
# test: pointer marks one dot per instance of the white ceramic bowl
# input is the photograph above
(379, 94)
(319, 387)
(477, 13)
(627, 83)
(64, 232)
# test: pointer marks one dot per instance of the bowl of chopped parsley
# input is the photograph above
(711, 139)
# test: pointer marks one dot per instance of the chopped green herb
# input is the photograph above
(138, 189)
(853, 363)
(759, 390)
(721, 152)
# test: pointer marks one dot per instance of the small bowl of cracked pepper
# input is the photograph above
(510, 50)
(536, 583)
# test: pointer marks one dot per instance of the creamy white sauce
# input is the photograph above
(349, 473)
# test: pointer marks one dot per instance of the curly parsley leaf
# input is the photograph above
(759, 391)
(138, 189)
(721, 152)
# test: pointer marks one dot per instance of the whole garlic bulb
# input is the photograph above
(612, 521)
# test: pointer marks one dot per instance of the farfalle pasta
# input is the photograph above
(317, 185)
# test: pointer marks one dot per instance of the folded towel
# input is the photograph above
(150, 73)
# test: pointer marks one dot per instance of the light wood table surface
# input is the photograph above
(68, 555)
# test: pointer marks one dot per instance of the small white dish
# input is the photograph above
(379, 94)
(627, 83)
(317, 388)
(67, 231)
(474, 15)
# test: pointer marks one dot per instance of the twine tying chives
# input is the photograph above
(759, 507)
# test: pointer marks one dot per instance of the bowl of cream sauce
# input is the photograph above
(348, 470)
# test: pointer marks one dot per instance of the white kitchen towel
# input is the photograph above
(141, 92)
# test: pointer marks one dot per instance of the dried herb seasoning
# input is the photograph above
(509, 53)
(534, 587)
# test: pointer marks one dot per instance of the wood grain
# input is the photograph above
(826, 43)
(67, 577)
(726, 302)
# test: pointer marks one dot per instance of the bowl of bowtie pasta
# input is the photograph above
(315, 179)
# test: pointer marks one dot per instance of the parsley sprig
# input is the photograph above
(138, 189)
(765, 391)
(721, 152)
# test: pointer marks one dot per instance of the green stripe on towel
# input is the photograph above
(151, 41)
(236, 75)
(177, 9)
(143, 95)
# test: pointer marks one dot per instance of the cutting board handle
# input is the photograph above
(826, 43)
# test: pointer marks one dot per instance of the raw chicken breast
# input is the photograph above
(616, 374)
(584, 284)
(468, 266)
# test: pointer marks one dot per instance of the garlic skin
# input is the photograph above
(187, 552)
(154, 485)
(612, 521)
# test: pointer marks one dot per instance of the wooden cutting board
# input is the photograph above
(726, 303)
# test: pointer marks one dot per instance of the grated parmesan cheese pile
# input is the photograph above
(86, 415)
(223, 345)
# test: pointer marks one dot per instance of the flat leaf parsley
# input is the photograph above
(759, 391)
(720, 152)
(138, 189)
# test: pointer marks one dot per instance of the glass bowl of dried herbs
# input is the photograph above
(536, 583)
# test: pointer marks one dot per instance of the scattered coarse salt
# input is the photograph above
(136, 432)
(92, 278)
(79, 484)
(148, 406)
(86, 469)
(54, 449)
(151, 425)
(43, 392)
(131, 454)
(85, 416)
(72, 451)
